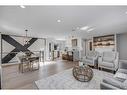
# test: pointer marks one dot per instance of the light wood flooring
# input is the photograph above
(12, 79)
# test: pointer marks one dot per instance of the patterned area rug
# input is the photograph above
(65, 80)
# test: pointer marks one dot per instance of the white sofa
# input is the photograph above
(118, 81)
(109, 60)
(91, 58)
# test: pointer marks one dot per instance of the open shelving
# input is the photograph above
(104, 41)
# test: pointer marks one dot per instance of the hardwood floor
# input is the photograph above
(12, 79)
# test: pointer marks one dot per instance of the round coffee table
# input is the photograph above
(82, 73)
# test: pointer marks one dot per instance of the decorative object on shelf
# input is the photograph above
(102, 41)
(26, 38)
(82, 73)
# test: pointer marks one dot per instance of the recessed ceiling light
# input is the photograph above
(84, 28)
(22, 6)
(58, 20)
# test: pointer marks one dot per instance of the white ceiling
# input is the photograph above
(41, 21)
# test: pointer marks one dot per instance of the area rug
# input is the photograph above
(65, 80)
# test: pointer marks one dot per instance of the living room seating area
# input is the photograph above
(107, 60)
(63, 47)
(119, 80)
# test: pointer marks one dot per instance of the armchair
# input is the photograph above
(91, 58)
(109, 60)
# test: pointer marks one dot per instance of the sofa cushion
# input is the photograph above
(108, 59)
(113, 82)
(120, 76)
(125, 84)
(106, 86)
(88, 61)
(120, 79)
(122, 71)
(92, 53)
(107, 64)
(109, 56)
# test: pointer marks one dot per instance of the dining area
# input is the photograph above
(28, 62)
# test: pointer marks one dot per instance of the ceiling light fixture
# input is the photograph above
(84, 28)
(90, 29)
(58, 20)
(22, 6)
(26, 38)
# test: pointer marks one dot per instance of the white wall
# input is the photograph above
(79, 44)
(83, 47)
(49, 40)
(69, 43)
(61, 44)
(122, 46)
(38, 45)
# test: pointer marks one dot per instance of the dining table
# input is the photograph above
(30, 62)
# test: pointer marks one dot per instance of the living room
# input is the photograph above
(63, 47)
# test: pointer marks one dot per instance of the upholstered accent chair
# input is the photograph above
(109, 60)
(118, 81)
(91, 58)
